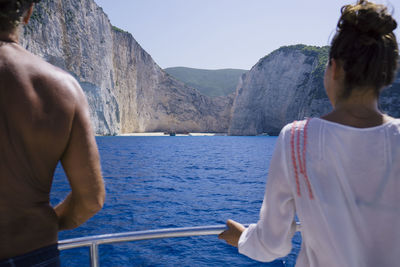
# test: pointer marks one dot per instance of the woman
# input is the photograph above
(339, 173)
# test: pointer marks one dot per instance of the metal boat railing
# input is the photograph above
(94, 241)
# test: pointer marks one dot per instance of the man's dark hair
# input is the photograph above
(366, 45)
(11, 12)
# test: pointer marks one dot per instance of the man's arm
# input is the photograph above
(81, 164)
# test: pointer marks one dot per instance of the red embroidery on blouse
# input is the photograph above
(296, 174)
(301, 157)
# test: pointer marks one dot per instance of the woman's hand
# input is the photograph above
(232, 234)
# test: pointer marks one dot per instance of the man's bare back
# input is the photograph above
(43, 119)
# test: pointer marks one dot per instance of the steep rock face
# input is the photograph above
(288, 85)
(126, 90)
(76, 36)
(280, 88)
(151, 100)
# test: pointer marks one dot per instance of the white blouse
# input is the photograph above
(344, 185)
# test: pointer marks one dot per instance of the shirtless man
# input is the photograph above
(44, 119)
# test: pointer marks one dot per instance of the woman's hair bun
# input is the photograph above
(366, 46)
(367, 18)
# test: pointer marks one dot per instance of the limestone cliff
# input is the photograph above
(287, 85)
(280, 88)
(126, 90)
(76, 36)
(152, 100)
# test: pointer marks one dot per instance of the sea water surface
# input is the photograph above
(168, 182)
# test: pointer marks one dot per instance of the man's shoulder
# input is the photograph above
(36, 69)
(54, 75)
(58, 80)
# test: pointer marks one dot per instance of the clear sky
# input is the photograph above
(215, 34)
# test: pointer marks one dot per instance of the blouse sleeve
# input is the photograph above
(271, 237)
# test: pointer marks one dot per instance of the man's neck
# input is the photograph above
(11, 36)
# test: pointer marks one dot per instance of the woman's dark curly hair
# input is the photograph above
(11, 12)
(366, 46)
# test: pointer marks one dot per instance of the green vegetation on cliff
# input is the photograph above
(322, 53)
(208, 82)
(115, 28)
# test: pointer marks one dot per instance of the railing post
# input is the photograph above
(94, 255)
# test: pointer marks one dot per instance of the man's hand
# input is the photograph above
(233, 233)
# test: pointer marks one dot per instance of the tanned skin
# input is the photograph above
(44, 119)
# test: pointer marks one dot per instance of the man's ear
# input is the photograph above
(28, 14)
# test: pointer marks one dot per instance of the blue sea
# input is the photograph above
(169, 182)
